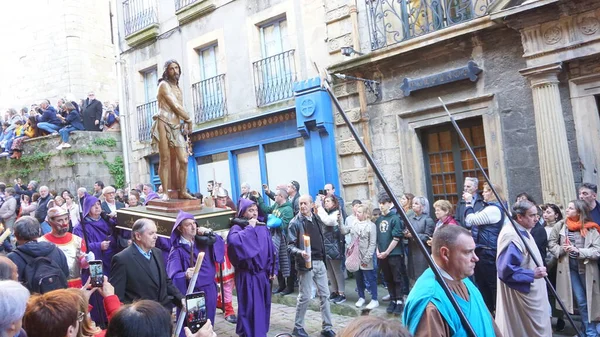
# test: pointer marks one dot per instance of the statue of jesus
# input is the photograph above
(168, 133)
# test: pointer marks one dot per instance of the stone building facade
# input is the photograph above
(247, 68)
(57, 48)
(531, 112)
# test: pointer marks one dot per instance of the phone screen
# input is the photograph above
(96, 273)
(196, 311)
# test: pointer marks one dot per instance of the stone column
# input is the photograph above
(556, 171)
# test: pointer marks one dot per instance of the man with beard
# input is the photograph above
(72, 245)
(167, 133)
(138, 272)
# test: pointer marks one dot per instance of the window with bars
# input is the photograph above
(448, 161)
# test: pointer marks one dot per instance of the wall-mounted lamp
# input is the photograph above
(348, 51)
(371, 85)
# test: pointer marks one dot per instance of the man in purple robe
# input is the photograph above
(185, 238)
(254, 257)
(97, 234)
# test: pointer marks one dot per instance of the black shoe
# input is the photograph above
(560, 325)
(391, 307)
(327, 333)
(398, 309)
(287, 291)
(340, 299)
(333, 296)
(278, 290)
(299, 333)
(231, 319)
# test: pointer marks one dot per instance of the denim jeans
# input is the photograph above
(48, 127)
(64, 132)
(363, 277)
(318, 275)
(578, 286)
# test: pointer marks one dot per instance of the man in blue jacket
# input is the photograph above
(48, 121)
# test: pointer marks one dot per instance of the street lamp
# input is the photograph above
(348, 51)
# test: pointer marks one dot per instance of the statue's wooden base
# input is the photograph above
(174, 205)
(214, 218)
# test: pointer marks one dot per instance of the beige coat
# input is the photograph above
(589, 254)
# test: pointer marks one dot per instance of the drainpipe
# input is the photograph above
(119, 63)
(362, 98)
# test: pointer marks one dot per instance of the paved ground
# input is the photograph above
(283, 312)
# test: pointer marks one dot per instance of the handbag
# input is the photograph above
(353, 256)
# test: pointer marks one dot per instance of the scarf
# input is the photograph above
(575, 225)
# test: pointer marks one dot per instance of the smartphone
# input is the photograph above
(96, 273)
(322, 192)
(196, 311)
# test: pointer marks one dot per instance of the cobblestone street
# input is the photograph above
(282, 320)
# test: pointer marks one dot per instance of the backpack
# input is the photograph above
(353, 256)
(42, 274)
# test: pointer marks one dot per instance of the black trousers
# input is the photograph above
(486, 276)
(394, 273)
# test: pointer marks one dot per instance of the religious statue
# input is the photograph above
(168, 134)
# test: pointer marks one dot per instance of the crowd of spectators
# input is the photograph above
(46, 119)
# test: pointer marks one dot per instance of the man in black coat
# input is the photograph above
(138, 272)
(92, 113)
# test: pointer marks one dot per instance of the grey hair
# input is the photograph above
(10, 191)
(521, 208)
(474, 180)
(44, 187)
(246, 185)
(139, 226)
(6, 270)
(82, 190)
(446, 236)
(149, 186)
(13, 302)
(27, 228)
(108, 189)
(424, 204)
(34, 183)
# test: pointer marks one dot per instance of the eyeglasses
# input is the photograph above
(80, 316)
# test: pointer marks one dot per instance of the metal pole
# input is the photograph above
(508, 215)
(386, 187)
(190, 290)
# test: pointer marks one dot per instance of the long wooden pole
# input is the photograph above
(190, 290)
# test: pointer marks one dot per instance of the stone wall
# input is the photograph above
(87, 161)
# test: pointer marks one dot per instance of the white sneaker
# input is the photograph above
(360, 302)
(373, 304)
(66, 145)
(59, 147)
(386, 298)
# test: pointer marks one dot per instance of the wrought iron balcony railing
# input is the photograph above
(208, 98)
(274, 78)
(179, 4)
(139, 14)
(394, 21)
(144, 120)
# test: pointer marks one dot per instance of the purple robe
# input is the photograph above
(164, 245)
(253, 255)
(179, 262)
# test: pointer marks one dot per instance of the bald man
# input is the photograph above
(8, 269)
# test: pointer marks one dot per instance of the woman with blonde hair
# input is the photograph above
(575, 241)
(443, 212)
(366, 232)
(486, 226)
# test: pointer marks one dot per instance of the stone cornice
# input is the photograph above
(503, 13)
(145, 34)
(542, 75)
(194, 11)
(415, 43)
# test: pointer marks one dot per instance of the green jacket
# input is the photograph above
(285, 212)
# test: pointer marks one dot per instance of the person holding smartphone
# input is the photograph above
(187, 241)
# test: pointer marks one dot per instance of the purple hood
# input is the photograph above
(174, 233)
(243, 206)
(151, 196)
(88, 202)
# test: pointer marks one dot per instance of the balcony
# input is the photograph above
(394, 21)
(188, 10)
(274, 78)
(144, 120)
(209, 100)
(141, 21)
